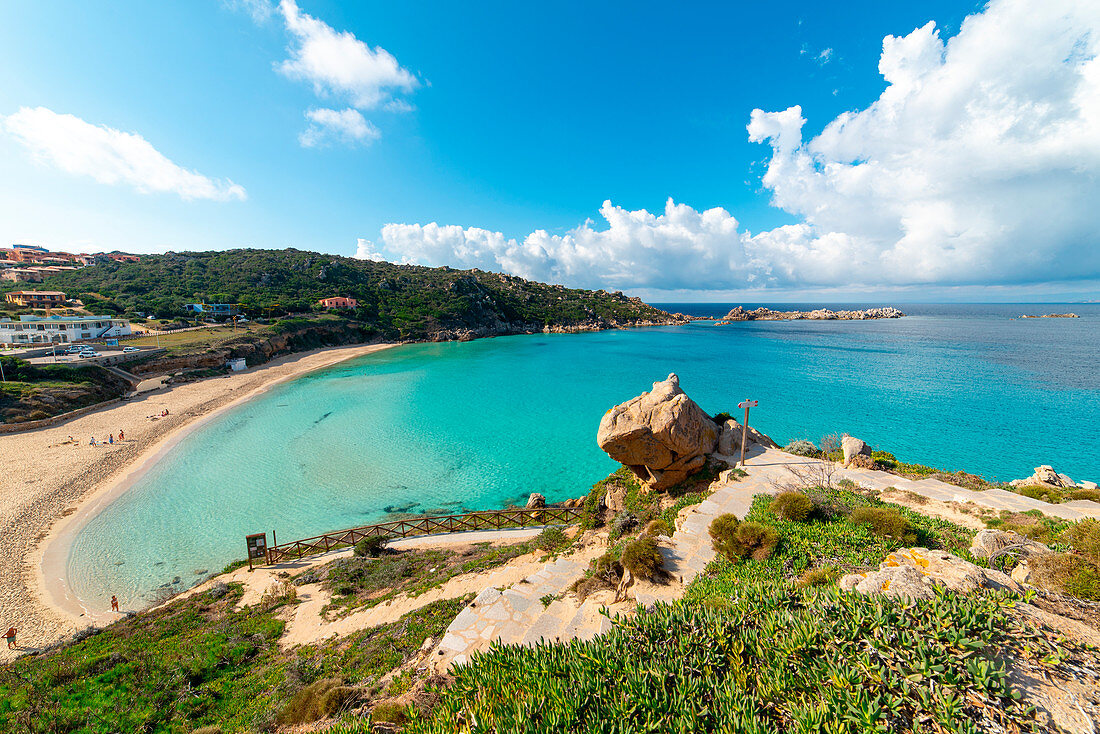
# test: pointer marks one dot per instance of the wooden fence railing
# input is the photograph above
(432, 525)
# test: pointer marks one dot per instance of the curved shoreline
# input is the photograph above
(37, 530)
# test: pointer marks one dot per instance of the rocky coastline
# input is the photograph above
(740, 313)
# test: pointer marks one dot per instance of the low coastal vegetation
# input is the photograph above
(33, 392)
(768, 643)
(198, 662)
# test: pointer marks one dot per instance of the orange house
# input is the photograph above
(339, 302)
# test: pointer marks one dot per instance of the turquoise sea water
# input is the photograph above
(447, 427)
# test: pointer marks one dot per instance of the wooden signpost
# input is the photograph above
(257, 547)
(746, 404)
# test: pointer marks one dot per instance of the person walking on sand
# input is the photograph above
(121, 435)
(111, 439)
(114, 603)
(92, 442)
(10, 637)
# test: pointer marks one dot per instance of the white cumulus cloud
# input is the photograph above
(978, 163)
(336, 126)
(109, 156)
(338, 64)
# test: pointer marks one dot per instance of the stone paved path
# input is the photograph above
(517, 616)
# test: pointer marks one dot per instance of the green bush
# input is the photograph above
(802, 447)
(1083, 494)
(642, 558)
(657, 527)
(819, 576)
(1067, 573)
(734, 539)
(624, 522)
(792, 505)
(371, 547)
(1084, 536)
(722, 417)
(551, 539)
(316, 701)
(389, 712)
(885, 522)
(1044, 494)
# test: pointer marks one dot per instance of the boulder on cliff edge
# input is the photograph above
(662, 436)
(729, 441)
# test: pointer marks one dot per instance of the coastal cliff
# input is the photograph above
(740, 313)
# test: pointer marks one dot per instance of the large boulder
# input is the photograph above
(914, 573)
(852, 448)
(536, 501)
(729, 441)
(661, 435)
(1044, 476)
(989, 541)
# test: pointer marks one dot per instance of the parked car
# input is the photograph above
(128, 350)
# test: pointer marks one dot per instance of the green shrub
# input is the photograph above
(1083, 494)
(884, 459)
(792, 505)
(657, 527)
(819, 576)
(801, 447)
(642, 558)
(722, 417)
(1044, 494)
(885, 522)
(624, 522)
(1084, 536)
(316, 701)
(551, 539)
(1067, 573)
(734, 539)
(370, 547)
(389, 712)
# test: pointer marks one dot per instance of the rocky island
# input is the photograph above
(740, 313)
(1051, 316)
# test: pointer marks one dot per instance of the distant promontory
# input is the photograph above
(740, 313)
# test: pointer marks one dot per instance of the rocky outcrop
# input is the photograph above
(853, 448)
(661, 435)
(729, 441)
(987, 542)
(536, 501)
(1045, 476)
(740, 313)
(913, 573)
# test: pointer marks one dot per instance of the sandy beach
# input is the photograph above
(49, 478)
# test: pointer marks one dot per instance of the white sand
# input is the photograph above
(46, 478)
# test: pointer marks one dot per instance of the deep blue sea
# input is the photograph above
(476, 425)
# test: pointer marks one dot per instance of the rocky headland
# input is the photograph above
(740, 313)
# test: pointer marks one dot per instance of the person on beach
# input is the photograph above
(114, 603)
(10, 637)
(92, 442)
(121, 435)
(111, 439)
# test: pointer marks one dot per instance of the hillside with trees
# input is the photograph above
(398, 301)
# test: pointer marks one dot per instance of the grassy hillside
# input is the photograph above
(400, 301)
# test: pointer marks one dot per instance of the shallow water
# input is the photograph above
(478, 425)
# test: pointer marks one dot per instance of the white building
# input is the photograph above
(61, 329)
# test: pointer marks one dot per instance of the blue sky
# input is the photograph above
(519, 118)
